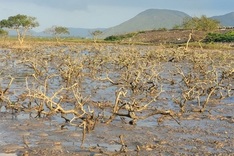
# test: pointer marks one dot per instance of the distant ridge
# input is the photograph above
(148, 20)
(74, 32)
(225, 20)
(83, 32)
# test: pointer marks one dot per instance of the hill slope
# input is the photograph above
(148, 20)
(225, 20)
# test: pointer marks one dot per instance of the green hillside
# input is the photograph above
(225, 20)
(148, 20)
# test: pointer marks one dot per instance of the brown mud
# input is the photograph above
(116, 101)
(204, 134)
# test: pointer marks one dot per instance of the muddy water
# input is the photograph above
(207, 133)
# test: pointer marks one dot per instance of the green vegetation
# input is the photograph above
(162, 29)
(21, 24)
(151, 19)
(3, 33)
(203, 23)
(218, 37)
(95, 34)
(119, 37)
(57, 32)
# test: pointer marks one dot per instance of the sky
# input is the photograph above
(104, 13)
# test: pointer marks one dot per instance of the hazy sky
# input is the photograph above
(104, 13)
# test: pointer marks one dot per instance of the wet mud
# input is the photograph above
(111, 100)
(202, 133)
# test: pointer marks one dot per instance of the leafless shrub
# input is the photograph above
(144, 82)
(201, 80)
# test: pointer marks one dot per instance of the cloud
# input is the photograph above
(55, 4)
(84, 4)
(75, 5)
(63, 4)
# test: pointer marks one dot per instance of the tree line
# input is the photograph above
(23, 23)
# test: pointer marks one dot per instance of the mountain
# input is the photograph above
(148, 20)
(225, 20)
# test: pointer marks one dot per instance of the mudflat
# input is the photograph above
(105, 99)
